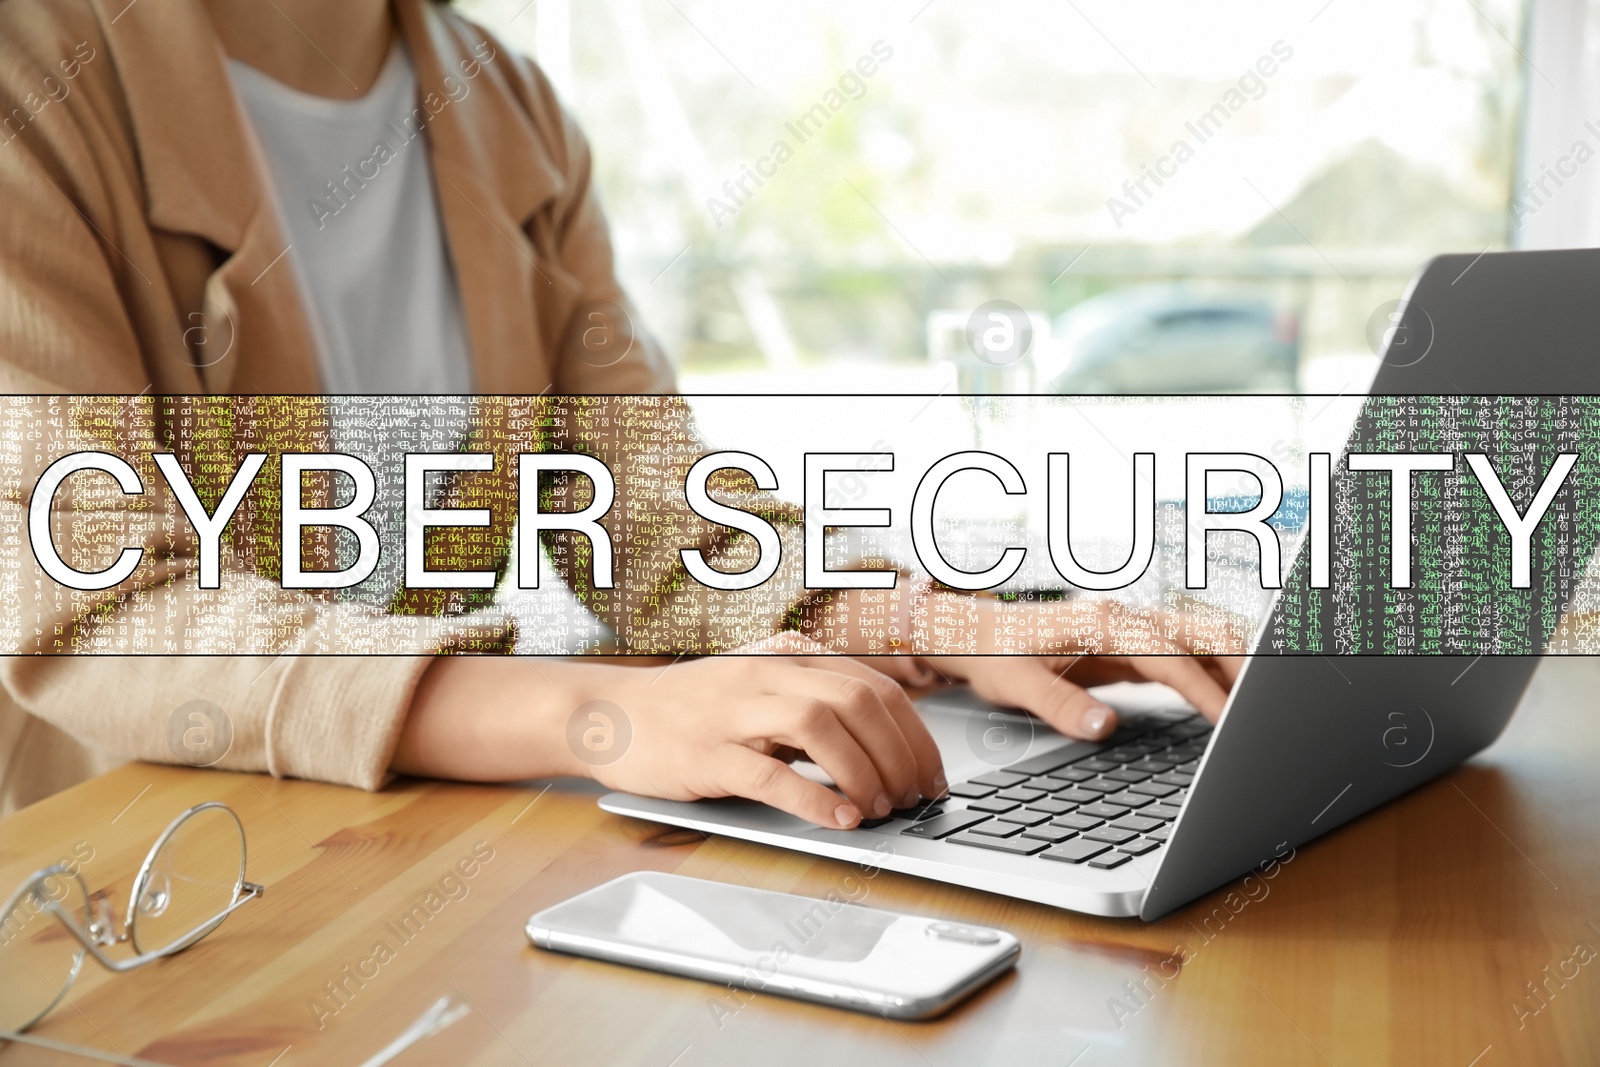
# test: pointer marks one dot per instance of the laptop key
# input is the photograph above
(1128, 799)
(1076, 851)
(993, 805)
(1101, 811)
(917, 813)
(1052, 834)
(1107, 860)
(1110, 835)
(996, 828)
(972, 790)
(942, 825)
(1098, 766)
(1139, 847)
(1165, 812)
(1052, 806)
(1154, 789)
(1000, 779)
(1176, 778)
(1076, 821)
(1048, 783)
(1022, 793)
(1151, 765)
(1024, 817)
(1019, 846)
(1071, 753)
(1078, 796)
(1127, 774)
(1161, 834)
(1102, 785)
(1189, 767)
(1138, 824)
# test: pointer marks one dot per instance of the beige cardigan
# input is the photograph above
(137, 246)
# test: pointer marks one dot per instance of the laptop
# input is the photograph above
(1168, 807)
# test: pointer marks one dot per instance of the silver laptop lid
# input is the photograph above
(1310, 741)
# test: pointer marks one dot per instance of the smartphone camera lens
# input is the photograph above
(972, 935)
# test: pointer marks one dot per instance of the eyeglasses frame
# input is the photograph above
(101, 932)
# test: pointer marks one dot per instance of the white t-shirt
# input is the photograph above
(354, 187)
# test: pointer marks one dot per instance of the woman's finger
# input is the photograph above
(1185, 674)
(859, 700)
(859, 709)
(910, 671)
(1214, 671)
(1091, 670)
(812, 725)
(1029, 682)
(744, 772)
(891, 731)
(1228, 666)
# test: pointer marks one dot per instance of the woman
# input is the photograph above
(223, 198)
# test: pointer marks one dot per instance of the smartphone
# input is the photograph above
(830, 951)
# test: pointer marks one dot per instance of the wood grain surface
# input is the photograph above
(1434, 931)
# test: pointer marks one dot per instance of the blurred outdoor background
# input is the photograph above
(1068, 197)
(1331, 149)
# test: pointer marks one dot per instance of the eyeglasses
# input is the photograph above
(191, 880)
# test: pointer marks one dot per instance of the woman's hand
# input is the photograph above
(1043, 656)
(1153, 646)
(726, 726)
(720, 726)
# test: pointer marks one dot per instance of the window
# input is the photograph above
(799, 187)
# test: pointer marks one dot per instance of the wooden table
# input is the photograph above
(1408, 937)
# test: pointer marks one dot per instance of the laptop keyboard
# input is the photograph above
(1098, 803)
